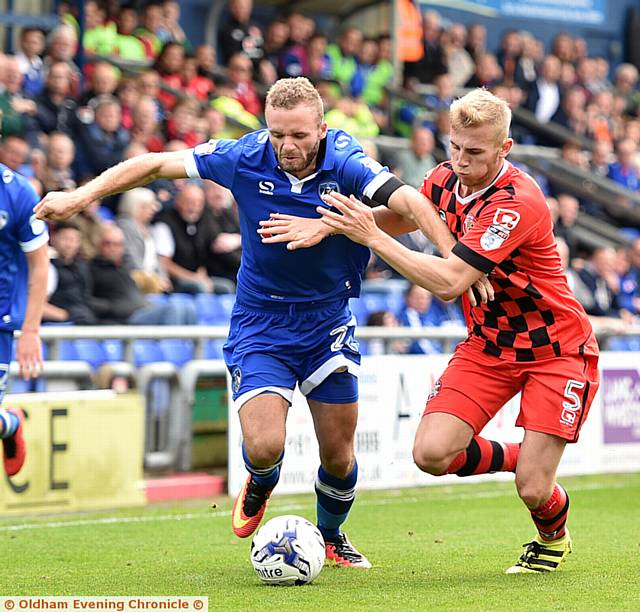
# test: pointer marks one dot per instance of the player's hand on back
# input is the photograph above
(58, 205)
(29, 354)
(297, 232)
(353, 218)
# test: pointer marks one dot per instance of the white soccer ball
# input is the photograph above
(287, 550)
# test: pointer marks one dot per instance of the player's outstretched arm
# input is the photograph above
(28, 347)
(134, 172)
(447, 278)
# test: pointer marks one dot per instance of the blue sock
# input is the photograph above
(265, 476)
(9, 423)
(335, 498)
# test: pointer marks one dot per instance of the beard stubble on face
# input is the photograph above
(300, 162)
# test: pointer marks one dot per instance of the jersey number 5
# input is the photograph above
(572, 405)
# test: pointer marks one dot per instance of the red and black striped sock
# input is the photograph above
(550, 518)
(484, 456)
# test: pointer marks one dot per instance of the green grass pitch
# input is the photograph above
(434, 548)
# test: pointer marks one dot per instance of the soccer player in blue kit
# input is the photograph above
(24, 266)
(291, 322)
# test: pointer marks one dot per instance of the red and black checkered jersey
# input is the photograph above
(506, 231)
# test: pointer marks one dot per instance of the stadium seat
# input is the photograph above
(176, 351)
(157, 298)
(113, 350)
(226, 302)
(359, 309)
(19, 385)
(91, 351)
(213, 349)
(177, 298)
(67, 351)
(208, 309)
(146, 351)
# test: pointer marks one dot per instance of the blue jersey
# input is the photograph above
(20, 233)
(248, 167)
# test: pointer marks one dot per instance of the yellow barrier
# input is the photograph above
(84, 451)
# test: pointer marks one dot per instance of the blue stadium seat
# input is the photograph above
(359, 309)
(624, 343)
(157, 298)
(67, 351)
(91, 351)
(176, 351)
(226, 302)
(180, 298)
(146, 351)
(374, 302)
(19, 385)
(207, 308)
(213, 349)
(113, 350)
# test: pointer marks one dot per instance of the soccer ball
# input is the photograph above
(287, 550)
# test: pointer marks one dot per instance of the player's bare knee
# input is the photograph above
(264, 452)
(339, 464)
(533, 492)
(430, 460)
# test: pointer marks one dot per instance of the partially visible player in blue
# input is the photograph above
(291, 322)
(24, 265)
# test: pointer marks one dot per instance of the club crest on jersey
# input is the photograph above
(493, 237)
(328, 187)
(507, 219)
(4, 218)
(236, 379)
(469, 222)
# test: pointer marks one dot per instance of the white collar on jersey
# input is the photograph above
(505, 166)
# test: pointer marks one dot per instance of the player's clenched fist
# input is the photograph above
(58, 205)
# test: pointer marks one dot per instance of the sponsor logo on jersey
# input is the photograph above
(206, 148)
(4, 218)
(493, 237)
(342, 141)
(435, 390)
(266, 187)
(443, 215)
(7, 176)
(263, 136)
(37, 225)
(507, 219)
(328, 187)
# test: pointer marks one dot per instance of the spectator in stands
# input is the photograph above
(62, 46)
(545, 95)
(410, 37)
(13, 105)
(147, 31)
(240, 71)
(169, 65)
(509, 54)
(378, 346)
(476, 41)
(90, 221)
(101, 144)
(443, 96)
(182, 123)
(563, 47)
(116, 295)
(69, 290)
(413, 163)
(226, 247)
(601, 158)
(57, 175)
(293, 60)
(433, 61)
(240, 34)
(194, 83)
(381, 76)
(571, 112)
(170, 29)
(601, 122)
(459, 62)
(442, 129)
(14, 153)
(488, 72)
(184, 236)
(600, 277)
(146, 128)
(527, 67)
(416, 312)
(30, 61)
(135, 212)
(98, 34)
(568, 208)
(583, 293)
(623, 171)
(275, 40)
(625, 83)
(343, 63)
(55, 106)
(128, 96)
(103, 82)
(319, 64)
(206, 61)
(572, 154)
(149, 85)
(126, 45)
(629, 297)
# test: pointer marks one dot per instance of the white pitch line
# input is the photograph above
(114, 520)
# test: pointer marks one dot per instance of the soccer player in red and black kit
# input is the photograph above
(533, 338)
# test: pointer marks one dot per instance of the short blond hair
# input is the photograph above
(480, 107)
(290, 93)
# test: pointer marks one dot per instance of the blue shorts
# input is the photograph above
(272, 348)
(6, 346)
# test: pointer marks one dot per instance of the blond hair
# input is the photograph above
(480, 107)
(290, 93)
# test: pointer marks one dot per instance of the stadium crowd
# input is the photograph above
(62, 126)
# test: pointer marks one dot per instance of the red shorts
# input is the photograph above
(556, 393)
